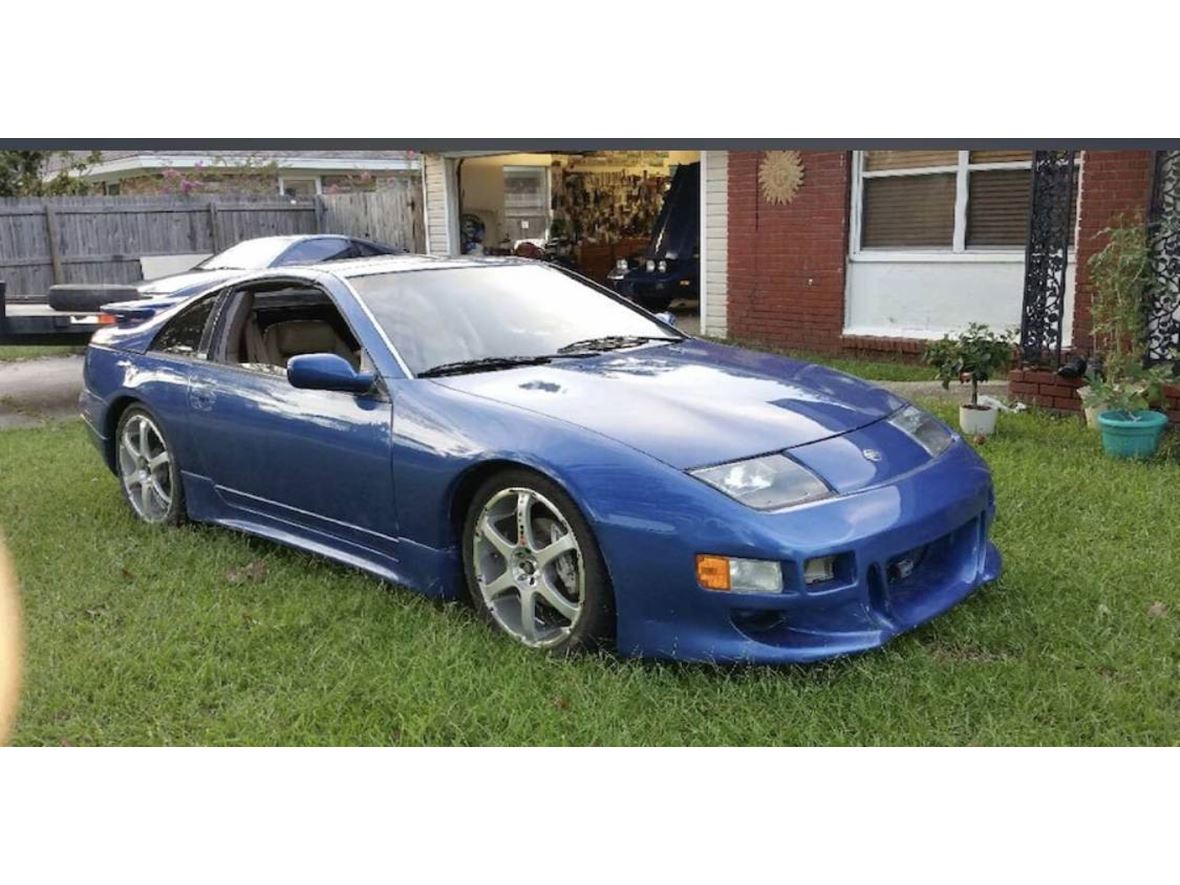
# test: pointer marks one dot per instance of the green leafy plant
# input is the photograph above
(27, 173)
(1120, 273)
(975, 355)
(1134, 389)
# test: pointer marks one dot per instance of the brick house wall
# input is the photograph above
(1112, 183)
(787, 262)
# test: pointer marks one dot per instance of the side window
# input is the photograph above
(183, 335)
(368, 250)
(267, 325)
(317, 250)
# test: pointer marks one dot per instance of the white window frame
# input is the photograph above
(546, 196)
(958, 251)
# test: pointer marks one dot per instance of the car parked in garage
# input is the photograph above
(671, 267)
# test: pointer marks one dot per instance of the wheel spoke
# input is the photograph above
(499, 586)
(528, 615)
(493, 536)
(524, 517)
(165, 498)
(145, 449)
(145, 497)
(550, 552)
(129, 445)
(155, 462)
(556, 598)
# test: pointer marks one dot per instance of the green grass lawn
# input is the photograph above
(880, 369)
(157, 636)
(11, 353)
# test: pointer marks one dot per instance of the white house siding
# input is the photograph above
(714, 242)
(434, 171)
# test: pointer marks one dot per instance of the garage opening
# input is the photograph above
(629, 220)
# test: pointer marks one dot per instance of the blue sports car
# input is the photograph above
(587, 475)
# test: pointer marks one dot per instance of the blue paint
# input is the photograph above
(371, 478)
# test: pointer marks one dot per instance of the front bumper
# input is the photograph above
(639, 283)
(938, 517)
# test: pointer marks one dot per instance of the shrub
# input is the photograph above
(974, 355)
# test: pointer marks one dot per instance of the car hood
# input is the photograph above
(183, 281)
(690, 404)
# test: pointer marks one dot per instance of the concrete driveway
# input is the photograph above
(35, 391)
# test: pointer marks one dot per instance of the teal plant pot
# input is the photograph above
(1133, 434)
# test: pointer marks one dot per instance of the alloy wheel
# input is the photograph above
(529, 567)
(145, 467)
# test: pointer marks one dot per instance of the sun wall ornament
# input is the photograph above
(780, 176)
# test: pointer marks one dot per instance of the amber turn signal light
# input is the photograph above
(713, 571)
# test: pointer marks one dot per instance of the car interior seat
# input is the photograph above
(281, 341)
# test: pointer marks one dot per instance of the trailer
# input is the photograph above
(32, 320)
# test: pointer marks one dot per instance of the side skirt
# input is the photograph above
(427, 570)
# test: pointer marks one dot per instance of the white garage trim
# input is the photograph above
(714, 243)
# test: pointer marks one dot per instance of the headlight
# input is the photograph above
(766, 483)
(621, 265)
(650, 266)
(727, 573)
(926, 430)
(663, 266)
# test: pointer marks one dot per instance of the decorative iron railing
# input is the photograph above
(1163, 231)
(1045, 258)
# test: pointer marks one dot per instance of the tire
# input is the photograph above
(654, 303)
(155, 494)
(571, 597)
(87, 299)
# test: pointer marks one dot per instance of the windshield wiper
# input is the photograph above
(483, 364)
(613, 342)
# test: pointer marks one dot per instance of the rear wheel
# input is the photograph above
(533, 567)
(148, 472)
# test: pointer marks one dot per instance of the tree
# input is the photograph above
(26, 173)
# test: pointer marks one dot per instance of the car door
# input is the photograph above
(313, 460)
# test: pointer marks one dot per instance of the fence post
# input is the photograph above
(319, 214)
(213, 227)
(51, 231)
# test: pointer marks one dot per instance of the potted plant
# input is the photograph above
(1122, 392)
(1130, 429)
(975, 355)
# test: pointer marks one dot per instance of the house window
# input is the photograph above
(526, 202)
(942, 201)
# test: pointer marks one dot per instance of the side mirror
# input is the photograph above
(327, 371)
(667, 317)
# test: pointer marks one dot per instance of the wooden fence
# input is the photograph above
(101, 239)
(391, 215)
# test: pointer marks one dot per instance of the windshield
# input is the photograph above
(246, 255)
(440, 317)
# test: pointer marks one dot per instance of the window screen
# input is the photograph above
(997, 207)
(956, 200)
(909, 210)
